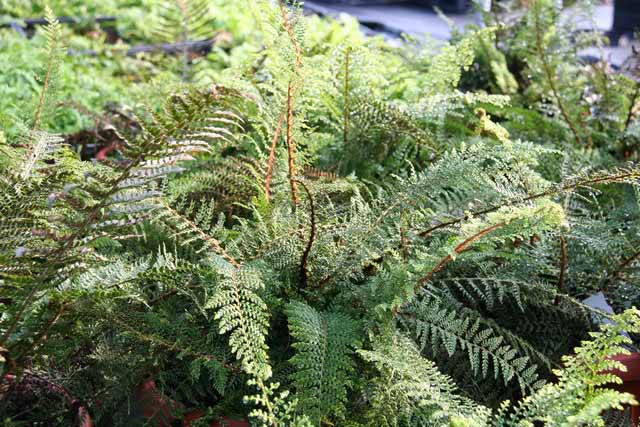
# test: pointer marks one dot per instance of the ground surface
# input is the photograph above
(395, 19)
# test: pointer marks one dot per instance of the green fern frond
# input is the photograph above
(372, 113)
(579, 396)
(243, 314)
(49, 78)
(324, 344)
(412, 391)
(181, 21)
(437, 327)
(446, 68)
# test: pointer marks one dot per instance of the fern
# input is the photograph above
(576, 398)
(412, 390)
(324, 343)
(54, 49)
(242, 313)
(338, 232)
(487, 351)
(446, 69)
(181, 21)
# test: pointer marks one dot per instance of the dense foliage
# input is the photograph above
(303, 226)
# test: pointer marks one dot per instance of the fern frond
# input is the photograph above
(324, 343)
(446, 68)
(182, 21)
(625, 175)
(412, 391)
(54, 49)
(377, 114)
(438, 327)
(40, 144)
(243, 314)
(578, 397)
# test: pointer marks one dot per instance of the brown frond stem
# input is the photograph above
(624, 264)
(291, 92)
(458, 250)
(549, 75)
(550, 192)
(304, 263)
(286, 23)
(272, 156)
(291, 147)
(617, 273)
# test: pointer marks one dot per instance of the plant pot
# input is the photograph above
(152, 405)
(630, 381)
(224, 422)
(31, 382)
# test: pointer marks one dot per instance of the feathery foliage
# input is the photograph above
(337, 232)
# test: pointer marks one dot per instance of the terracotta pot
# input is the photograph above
(158, 408)
(630, 381)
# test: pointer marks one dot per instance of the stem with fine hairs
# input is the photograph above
(272, 157)
(458, 250)
(291, 148)
(304, 272)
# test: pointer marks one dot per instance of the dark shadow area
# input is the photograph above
(451, 6)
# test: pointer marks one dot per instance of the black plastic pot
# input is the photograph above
(451, 6)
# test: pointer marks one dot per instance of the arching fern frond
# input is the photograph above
(437, 327)
(373, 113)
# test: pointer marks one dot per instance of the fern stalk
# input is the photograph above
(546, 67)
(304, 263)
(291, 92)
(272, 156)
(620, 269)
(458, 250)
(292, 37)
(628, 261)
(291, 149)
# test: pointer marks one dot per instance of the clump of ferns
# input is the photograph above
(74, 207)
